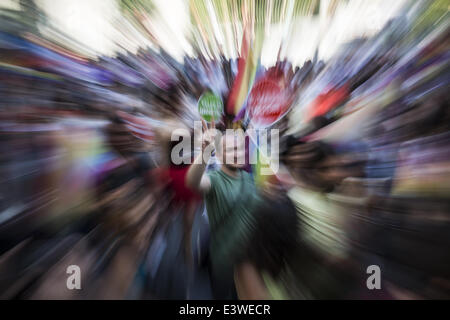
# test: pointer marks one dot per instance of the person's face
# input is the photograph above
(233, 151)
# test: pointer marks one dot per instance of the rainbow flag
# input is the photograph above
(248, 63)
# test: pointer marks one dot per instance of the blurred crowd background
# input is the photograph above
(89, 91)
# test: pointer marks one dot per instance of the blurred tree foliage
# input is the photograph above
(205, 14)
(275, 10)
(146, 6)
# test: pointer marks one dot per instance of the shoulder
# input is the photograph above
(248, 177)
(214, 177)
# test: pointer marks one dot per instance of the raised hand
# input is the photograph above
(208, 135)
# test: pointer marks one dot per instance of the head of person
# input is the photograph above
(231, 149)
(319, 166)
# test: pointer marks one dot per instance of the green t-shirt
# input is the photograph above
(230, 203)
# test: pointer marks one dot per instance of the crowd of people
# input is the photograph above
(87, 176)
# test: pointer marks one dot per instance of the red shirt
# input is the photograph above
(182, 194)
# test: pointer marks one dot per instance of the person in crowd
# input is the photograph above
(231, 199)
(183, 198)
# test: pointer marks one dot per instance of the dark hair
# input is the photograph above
(275, 234)
(169, 99)
(117, 128)
(306, 166)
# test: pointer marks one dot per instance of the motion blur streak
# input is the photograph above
(90, 92)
